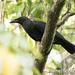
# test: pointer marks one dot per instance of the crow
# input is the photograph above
(35, 30)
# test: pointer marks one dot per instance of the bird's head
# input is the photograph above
(20, 20)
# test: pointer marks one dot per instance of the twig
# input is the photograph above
(61, 22)
(65, 16)
(23, 9)
(68, 9)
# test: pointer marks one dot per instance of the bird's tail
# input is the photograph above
(68, 46)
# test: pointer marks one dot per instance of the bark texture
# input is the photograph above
(49, 33)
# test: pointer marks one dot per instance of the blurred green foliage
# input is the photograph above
(21, 43)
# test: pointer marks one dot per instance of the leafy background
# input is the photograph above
(17, 49)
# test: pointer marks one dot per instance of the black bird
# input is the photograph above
(35, 30)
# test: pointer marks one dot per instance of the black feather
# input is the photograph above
(35, 29)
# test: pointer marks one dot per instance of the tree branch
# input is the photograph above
(49, 33)
(64, 18)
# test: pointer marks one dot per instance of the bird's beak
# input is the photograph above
(14, 21)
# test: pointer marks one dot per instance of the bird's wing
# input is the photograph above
(40, 26)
